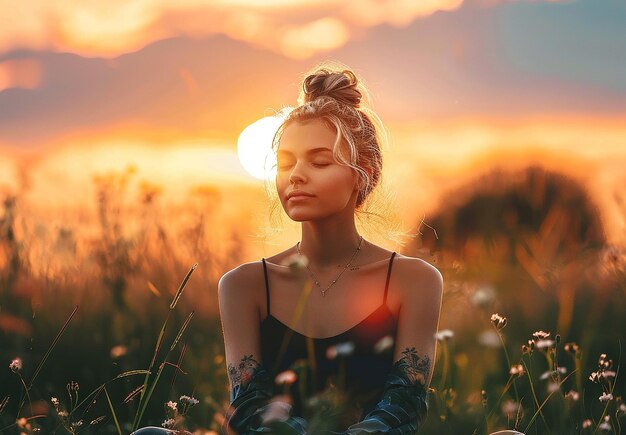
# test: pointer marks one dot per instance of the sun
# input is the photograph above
(254, 147)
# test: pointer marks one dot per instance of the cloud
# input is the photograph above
(295, 28)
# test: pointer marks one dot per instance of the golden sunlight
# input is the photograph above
(254, 147)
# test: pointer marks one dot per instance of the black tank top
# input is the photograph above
(370, 346)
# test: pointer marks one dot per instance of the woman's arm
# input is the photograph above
(404, 404)
(251, 386)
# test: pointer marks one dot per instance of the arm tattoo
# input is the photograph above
(244, 371)
(415, 368)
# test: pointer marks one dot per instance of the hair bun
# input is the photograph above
(342, 86)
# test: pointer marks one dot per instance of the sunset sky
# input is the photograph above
(169, 86)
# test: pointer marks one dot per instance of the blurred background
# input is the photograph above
(120, 124)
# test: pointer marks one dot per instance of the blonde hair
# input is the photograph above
(334, 94)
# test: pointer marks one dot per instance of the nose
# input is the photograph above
(297, 174)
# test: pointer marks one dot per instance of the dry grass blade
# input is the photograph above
(181, 331)
(179, 292)
(45, 357)
(132, 373)
(133, 394)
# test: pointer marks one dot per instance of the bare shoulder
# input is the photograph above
(241, 283)
(418, 279)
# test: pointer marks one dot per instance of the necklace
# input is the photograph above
(317, 283)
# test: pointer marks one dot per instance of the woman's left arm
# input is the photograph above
(404, 404)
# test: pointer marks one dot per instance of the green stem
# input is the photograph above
(117, 423)
(508, 361)
(532, 389)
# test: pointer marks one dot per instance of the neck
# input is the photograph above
(329, 245)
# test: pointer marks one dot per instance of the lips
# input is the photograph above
(298, 194)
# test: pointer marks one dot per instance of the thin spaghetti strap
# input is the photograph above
(388, 277)
(267, 286)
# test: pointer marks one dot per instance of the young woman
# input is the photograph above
(334, 312)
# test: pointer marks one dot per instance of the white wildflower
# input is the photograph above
(544, 344)
(340, 349)
(483, 296)
(169, 423)
(605, 425)
(517, 369)
(16, 365)
(605, 397)
(498, 321)
(384, 344)
(191, 401)
(444, 334)
(286, 377)
(489, 338)
(172, 405)
(540, 335)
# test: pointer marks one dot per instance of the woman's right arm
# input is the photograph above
(251, 387)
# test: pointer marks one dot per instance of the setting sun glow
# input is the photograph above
(254, 147)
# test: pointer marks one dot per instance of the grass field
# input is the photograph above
(530, 337)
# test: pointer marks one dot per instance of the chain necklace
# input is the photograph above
(317, 283)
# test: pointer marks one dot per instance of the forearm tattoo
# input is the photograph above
(243, 372)
(415, 368)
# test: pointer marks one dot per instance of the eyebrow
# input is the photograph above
(311, 151)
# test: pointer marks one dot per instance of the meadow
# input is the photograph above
(530, 337)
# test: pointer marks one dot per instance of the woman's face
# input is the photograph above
(306, 164)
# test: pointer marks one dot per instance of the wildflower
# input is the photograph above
(544, 344)
(384, 344)
(78, 423)
(595, 377)
(509, 408)
(62, 414)
(21, 422)
(517, 369)
(16, 365)
(286, 377)
(498, 321)
(483, 296)
(169, 423)
(608, 374)
(55, 402)
(622, 408)
(340, 349)
(572, 348)
(172, 405)
(528, 349)
(73, 386)
(483, 397)
(606, 397)
(604, 363)
(553, 373)
(444, 334)
(587, 423)
(572, 395)
(541, 335)
(191, 401)
(489, 338)
(605, 425)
